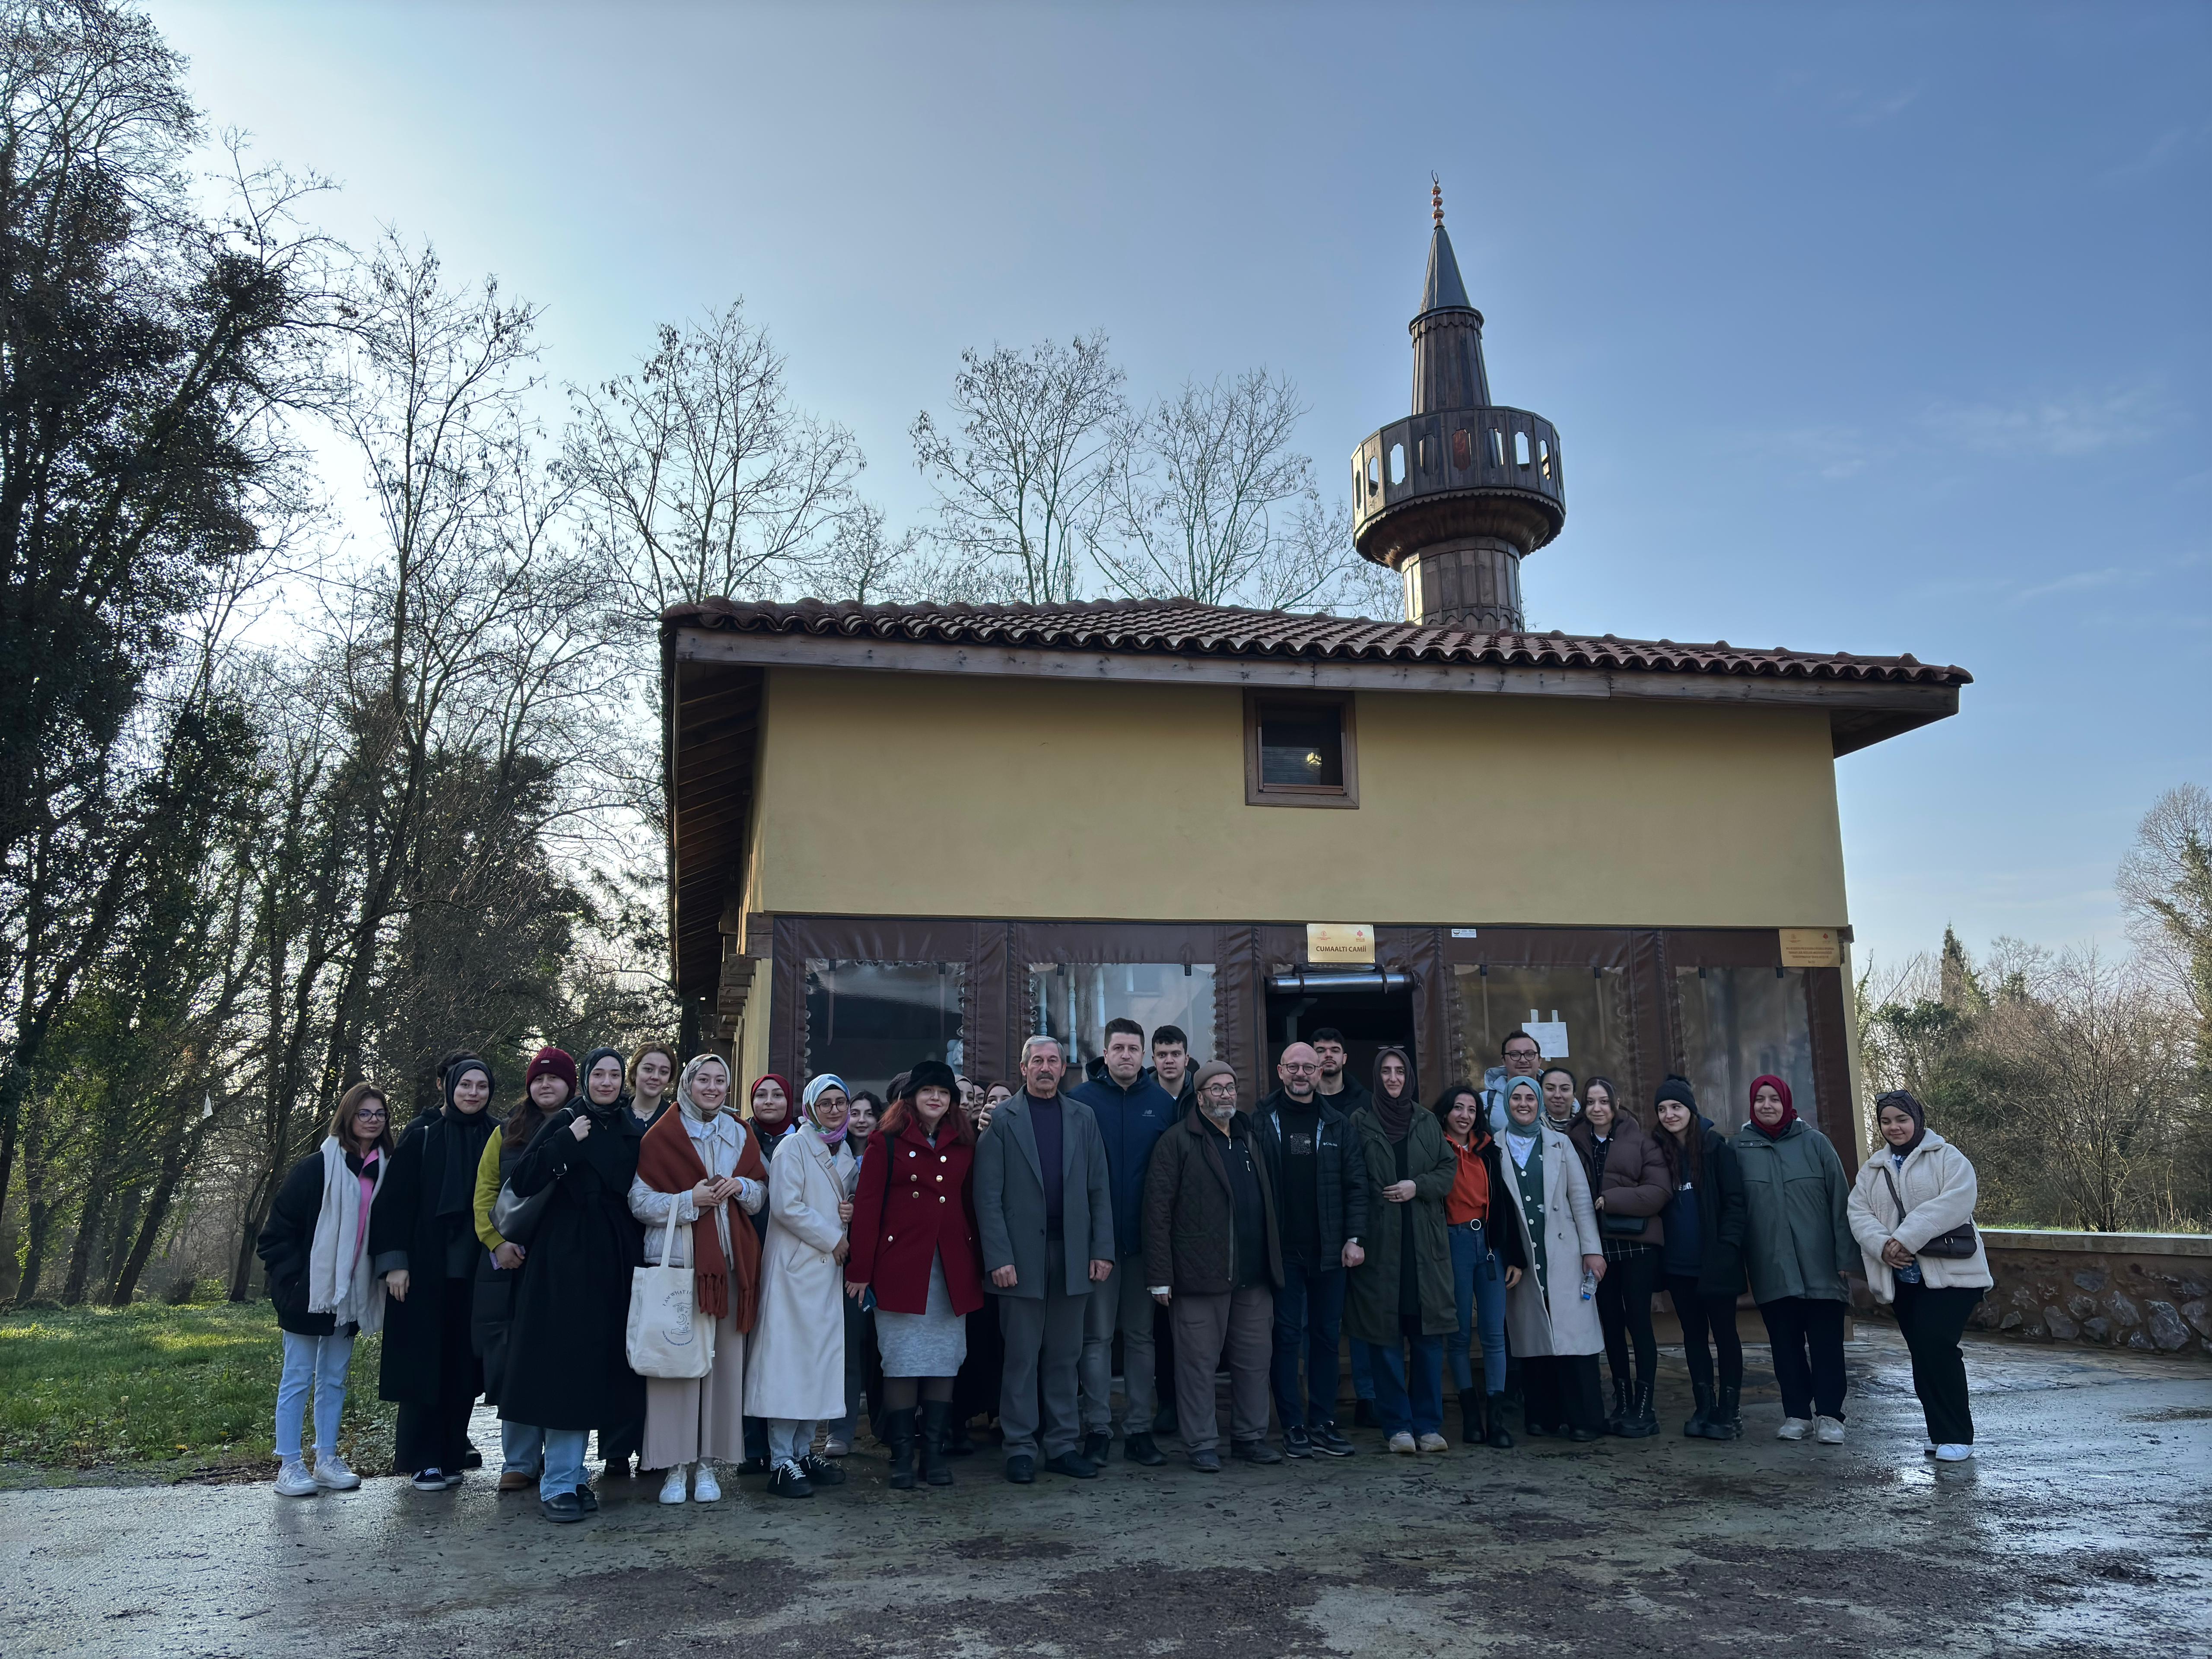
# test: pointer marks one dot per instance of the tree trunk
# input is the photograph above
(150, 1230)
(87, 1236)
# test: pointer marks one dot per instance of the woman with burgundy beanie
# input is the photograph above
(916, 1245)
(568, 1364)
(1628, 1190)
(423, 1243)
(1797, 1247)
(698, 1161)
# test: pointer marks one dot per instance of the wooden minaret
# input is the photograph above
(1455, 495)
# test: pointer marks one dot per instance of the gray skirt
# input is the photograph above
(932, 1343)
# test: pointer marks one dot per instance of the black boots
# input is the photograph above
(1617, 1418)
(1470, 1418)
(1702, 1394)
(936, 1459)
(898, 1435)
(1641, 1422)
(1724, 1423)
(1498, 1436)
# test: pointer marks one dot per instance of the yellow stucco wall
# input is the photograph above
(902, 794)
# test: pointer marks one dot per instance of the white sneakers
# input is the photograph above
(671, 1489)
(1435, 1442)
(293, 1480)
(705, 1488)
(333, 1474)
(1830, 1432)
(1951, 1454)
(1793, 1428)
(1402, 1444)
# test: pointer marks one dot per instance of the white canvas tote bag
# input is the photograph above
(669, 1336)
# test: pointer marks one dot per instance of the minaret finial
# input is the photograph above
(1436, 199)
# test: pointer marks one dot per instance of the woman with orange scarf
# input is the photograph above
(698, 1160)
(1486, 1259)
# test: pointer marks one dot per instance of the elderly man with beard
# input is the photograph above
(1213, 1257)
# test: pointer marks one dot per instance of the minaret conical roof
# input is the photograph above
(1444, 291)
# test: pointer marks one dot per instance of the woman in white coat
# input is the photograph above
(1918, 1188)
(1551, 1318)
(699, 1162)
(795, 1372)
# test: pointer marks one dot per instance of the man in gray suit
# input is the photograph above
(1047, 1217)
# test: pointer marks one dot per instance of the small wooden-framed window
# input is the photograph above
(1299, 750)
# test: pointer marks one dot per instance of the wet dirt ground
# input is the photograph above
(2083, 1528)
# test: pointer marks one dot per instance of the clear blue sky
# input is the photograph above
(1869, 328)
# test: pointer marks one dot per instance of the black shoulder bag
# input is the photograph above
(1956, 1245)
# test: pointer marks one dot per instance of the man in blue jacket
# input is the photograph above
(1132, 1112)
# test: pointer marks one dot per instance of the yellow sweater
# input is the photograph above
(488, 1192)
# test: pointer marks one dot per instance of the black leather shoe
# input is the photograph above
(471, 1459)
(1074, 1465)
(1582, 1437)
(1329, 1439)
(1207, 1462)
(1499, 1436)
(1295, 1442)
(1363, 1415)
(1139, 1448)
(1254, 1452)
(589, 1499)
(1094, 1444)
(1020, 1468)
(562, 1506)
(753, 1466)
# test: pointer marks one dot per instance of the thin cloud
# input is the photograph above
(2060, 426)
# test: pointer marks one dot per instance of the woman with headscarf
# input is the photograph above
(1399, 1300)
(315, 1248)
(1481, 1251)
(1628, 1187)
(547, 1086)
(1919, 1189)
(769, 1108)
(795, 1370)
(1703, 1253)
(1797, 1246)
(423, 1243)
(567, 1361)
(916, 1246)
(1551, 1317)
(697, 1161)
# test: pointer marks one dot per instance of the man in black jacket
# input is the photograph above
(1314, 1165)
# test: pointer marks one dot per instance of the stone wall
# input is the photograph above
(2142, 1290)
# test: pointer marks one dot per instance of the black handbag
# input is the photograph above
(1622, 1226)
(1957, 1245)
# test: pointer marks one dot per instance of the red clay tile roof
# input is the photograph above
(1181, 628)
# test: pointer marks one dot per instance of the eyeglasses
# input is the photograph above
(370, 1111)
(1524, 1054)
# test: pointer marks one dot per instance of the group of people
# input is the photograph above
(955, 1250)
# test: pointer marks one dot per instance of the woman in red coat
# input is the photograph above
(914, 1245)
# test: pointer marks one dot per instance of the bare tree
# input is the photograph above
(865, 563)
(700, 477)
(2165, 884)
(1019, 479)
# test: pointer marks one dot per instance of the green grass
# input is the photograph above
(176, 1393)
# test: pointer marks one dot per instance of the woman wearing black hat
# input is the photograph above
(1702, 1255)
(916, 1245)
(567, 1361)
(422, 1242)
(1912, 1212)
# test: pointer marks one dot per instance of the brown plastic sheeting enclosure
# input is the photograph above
(1714, 1004)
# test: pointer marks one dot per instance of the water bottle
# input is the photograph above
(1589, 1283)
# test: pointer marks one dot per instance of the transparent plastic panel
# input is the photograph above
(1073, 1001)
(869, 1021)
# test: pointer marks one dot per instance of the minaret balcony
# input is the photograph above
(1477, 471)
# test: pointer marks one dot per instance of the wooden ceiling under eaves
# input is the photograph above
(714, 731)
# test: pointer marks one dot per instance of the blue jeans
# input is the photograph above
(1479, 1282)
(522, 1449)
(564, 1461)
(1363, 1372)
(320, 1362)
(1309, 1319)
(1424, 1413)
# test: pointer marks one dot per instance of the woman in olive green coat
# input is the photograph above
(1400, 1297)
(1797, 1245)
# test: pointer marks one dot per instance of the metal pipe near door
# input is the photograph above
(1341, 979)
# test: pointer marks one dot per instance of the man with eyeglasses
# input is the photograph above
(1313, 1165)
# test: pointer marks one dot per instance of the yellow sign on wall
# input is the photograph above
(1340, 941)
(1811, 947)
